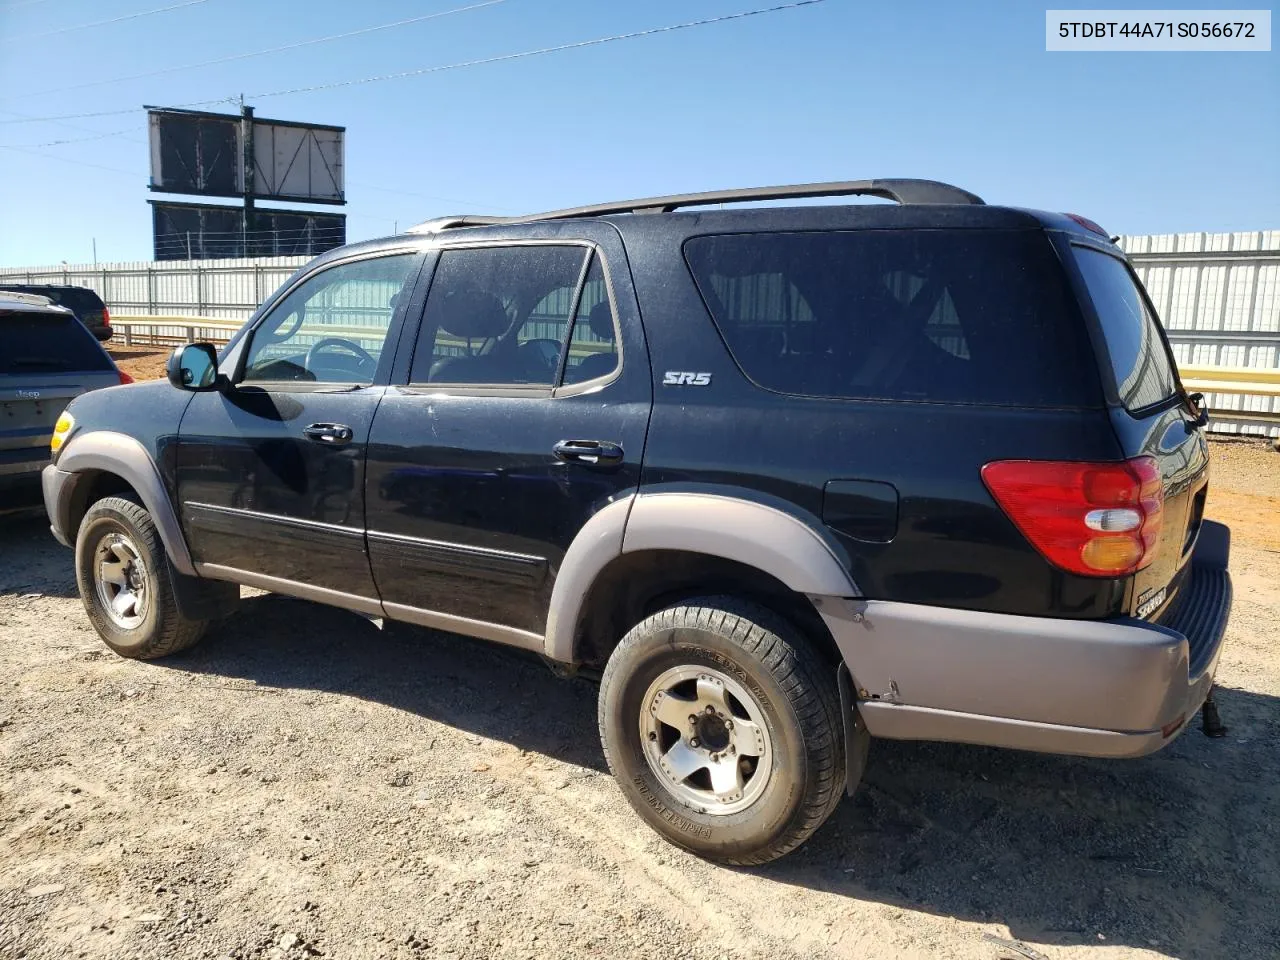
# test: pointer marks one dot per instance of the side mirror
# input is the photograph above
(194, 367)
(1198, 406)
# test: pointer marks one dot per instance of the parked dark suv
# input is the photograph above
(790, 477)
(83, 302)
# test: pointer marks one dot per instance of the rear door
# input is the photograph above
(1151, 417)
(46, 359)
(523, 411)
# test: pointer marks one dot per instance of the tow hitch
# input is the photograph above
(1210, 722)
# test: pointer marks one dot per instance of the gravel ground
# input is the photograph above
(303, 784)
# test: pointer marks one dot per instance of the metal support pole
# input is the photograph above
(249, 218)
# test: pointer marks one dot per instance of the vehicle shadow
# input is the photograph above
(32, 563)
(493, 691)
(1174, 852)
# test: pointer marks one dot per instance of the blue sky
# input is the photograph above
(962, 92)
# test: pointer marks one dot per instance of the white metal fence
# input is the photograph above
(201, 288)
(1218, 295)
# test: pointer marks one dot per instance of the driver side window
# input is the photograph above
(332, 327)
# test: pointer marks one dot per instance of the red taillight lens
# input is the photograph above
(1088, 224)
(106, 317)
(1096, 519)
(124, 377)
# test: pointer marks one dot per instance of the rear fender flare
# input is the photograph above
(740, 525)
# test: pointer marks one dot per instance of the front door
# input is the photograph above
(270, 471)
(524, 412)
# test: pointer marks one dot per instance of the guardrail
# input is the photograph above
(161, 329)
(1238, 380)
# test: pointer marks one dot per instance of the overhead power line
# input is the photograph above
(422, 71)
(262, 53)
(59, 143)
(103, 23)
(454, 66)
(78, 163)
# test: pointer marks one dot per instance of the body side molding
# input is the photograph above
(128, 459)
(293, 588)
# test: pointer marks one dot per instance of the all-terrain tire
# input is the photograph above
(123, 525)
(795, 691)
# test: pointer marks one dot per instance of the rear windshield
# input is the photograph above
(955, 316)
(1139, 358)
(33, 343)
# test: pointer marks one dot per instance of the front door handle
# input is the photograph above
(333, 434)
(593, 453)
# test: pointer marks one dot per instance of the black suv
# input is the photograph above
(83, 302)
(789, 477)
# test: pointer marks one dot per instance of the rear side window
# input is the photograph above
(500, 316)
(34, 343)
(1139, 359)
(955, 316)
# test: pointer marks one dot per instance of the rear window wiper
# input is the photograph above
(42, 364)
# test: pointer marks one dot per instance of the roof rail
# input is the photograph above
(903, 191)
(436, 224)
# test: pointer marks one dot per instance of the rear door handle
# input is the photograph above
(592, 453)
(333, 434)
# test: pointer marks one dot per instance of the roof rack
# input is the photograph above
(436, 224)
(901, 191)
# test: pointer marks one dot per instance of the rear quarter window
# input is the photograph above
(36, 343)
(1140, 361)
(953, 316)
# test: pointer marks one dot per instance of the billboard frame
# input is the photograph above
(241, 161)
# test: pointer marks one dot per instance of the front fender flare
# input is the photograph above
(129, 460)
(734, 525)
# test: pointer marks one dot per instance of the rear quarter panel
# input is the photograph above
(953, 545)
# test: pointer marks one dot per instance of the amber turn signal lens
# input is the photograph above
(1111, 553)
(61, 429)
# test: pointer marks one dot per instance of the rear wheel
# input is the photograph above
(721, 723)
(127, 584)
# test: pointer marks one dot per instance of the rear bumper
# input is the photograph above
(1109, 688)
(57, 487)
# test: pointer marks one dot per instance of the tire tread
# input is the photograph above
(804, 675)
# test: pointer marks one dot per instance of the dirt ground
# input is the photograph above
(140, 361)
(303, 784)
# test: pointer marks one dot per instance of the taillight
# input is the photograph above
(106, 317)
(124, 377)
(1088, 224)
(1096, 519)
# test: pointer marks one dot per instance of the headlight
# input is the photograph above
(61, 430)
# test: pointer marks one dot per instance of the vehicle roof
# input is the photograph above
(15, 285)
(690, 214)
(30, 303)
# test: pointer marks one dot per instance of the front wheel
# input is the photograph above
(721, 723)
(127, 584)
